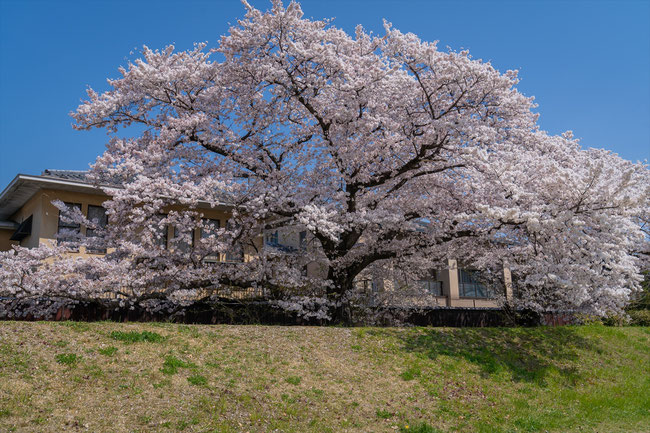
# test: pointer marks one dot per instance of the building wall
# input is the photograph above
(216, 214)
(32, 207)
(451, 289)
(449, 277)
(45, 227)
(5, 243)
(46, 218)
(49, 218)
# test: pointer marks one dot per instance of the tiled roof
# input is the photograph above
(78, 175)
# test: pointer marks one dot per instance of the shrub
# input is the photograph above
(588, 319)
(639, 317)
(615, 320)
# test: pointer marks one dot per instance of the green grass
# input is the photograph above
(383, 414)
(410, 374)
(68, 359)
(198, 380)
(172, 364)
(418, 428)
(168, 377)
(294, 380)
(136, 337)
(108, 351)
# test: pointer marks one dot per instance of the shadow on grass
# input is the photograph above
(528, 354)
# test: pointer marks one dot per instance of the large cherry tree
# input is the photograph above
(390, 153)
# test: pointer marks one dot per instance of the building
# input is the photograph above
(28, 218)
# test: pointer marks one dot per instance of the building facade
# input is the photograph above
(28, 218)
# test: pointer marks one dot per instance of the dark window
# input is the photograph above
(96, 215)
(272, 238)
(160, 232)
(303, 239)
(235, 254)
(210, 227)
(369, 285)
(24, 230)
(186, 243)
(431, 283)
(68, 231)
(432, 287)
(470, 285)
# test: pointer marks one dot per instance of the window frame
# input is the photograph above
(182, 246)
(433, 279)
(161, 236)
(271, 238)
(203, 234)
(68, 226)
(90, 232)
(469, 286)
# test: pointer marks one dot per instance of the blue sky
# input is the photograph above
(586, 62)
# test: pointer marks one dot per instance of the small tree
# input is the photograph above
(388, 151)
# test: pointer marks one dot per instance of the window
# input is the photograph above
(431, 283)
(186, 241)
(160, 233)
(303, 239)
(271, 238)
(68, 231)
(96, 215)
(24, 229)
(432, 287)
(210, 228)
(470, 285)
(235, 254)
(368, 285)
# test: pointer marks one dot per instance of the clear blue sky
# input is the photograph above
(586, 62)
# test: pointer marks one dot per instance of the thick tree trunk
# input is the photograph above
(343, 283)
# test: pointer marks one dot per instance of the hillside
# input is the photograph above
(112, 377)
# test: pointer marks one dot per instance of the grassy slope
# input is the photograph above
(295, 379)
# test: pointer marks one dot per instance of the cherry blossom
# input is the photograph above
(392, 154)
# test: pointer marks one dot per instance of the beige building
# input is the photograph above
(28, 218)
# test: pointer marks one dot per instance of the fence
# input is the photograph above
(230, 311)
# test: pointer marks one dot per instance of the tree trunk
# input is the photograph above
(343, 283)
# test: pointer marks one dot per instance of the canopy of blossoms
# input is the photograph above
(393, 155)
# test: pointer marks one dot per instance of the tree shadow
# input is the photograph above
(529, 354)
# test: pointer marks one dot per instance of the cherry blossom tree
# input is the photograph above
(389, 152)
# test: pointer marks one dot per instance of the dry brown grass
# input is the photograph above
(295, 379)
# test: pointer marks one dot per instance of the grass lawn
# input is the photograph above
(113, 377)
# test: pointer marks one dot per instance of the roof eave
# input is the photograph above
(10, 203)
(33, 184)
(8, 225)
